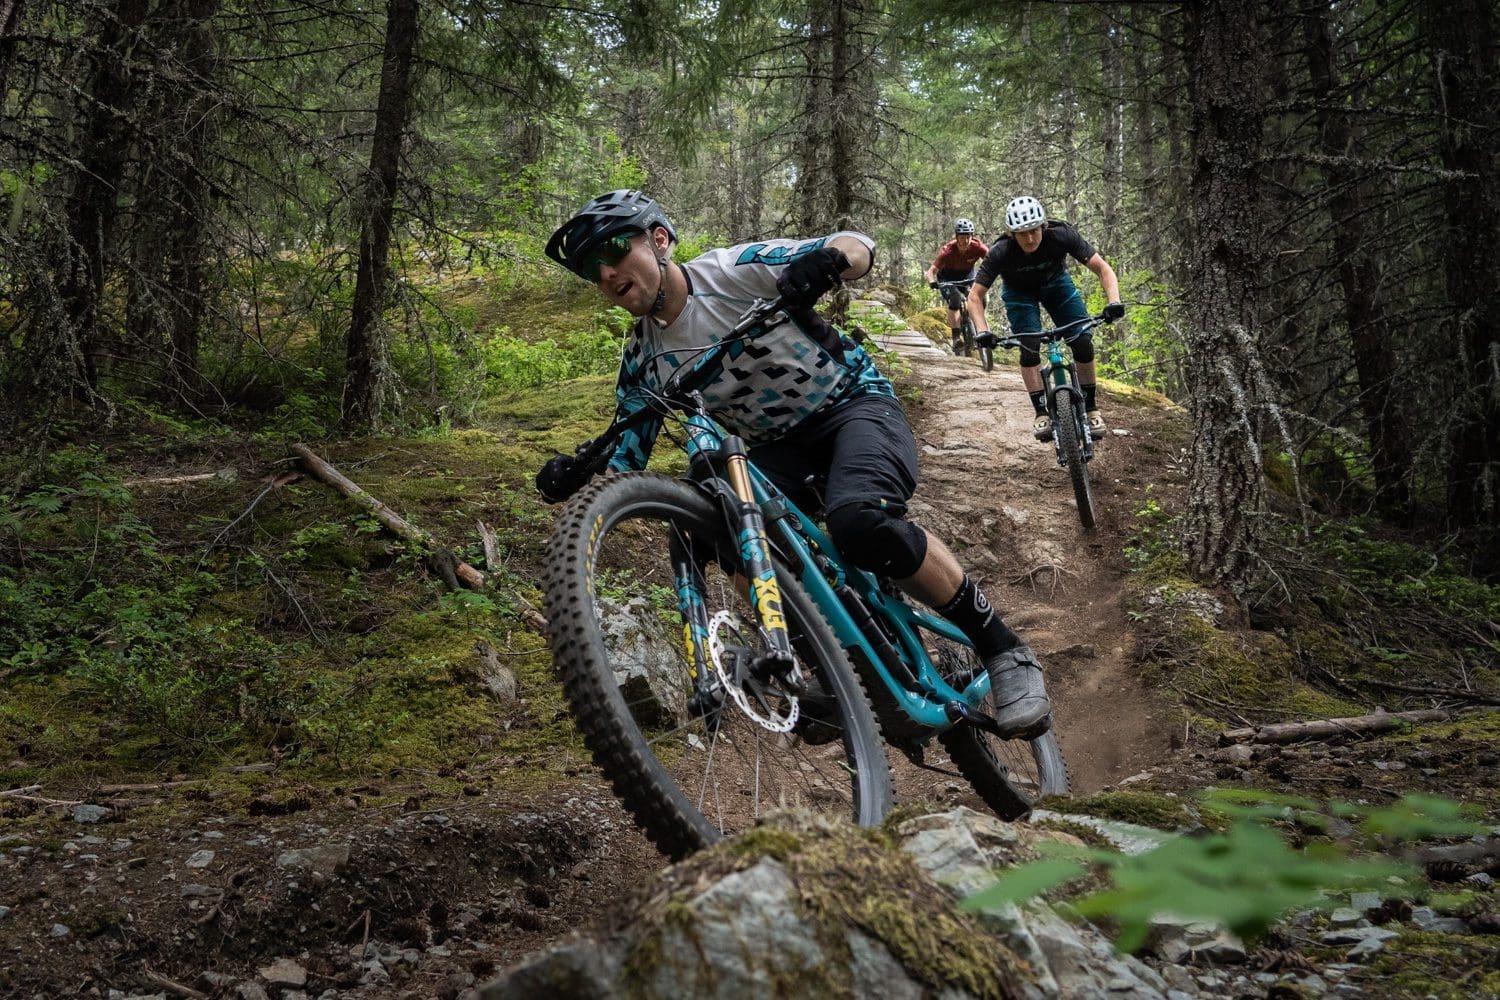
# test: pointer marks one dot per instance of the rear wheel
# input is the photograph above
(694, 762)
(1066, 425)
(1009, 775)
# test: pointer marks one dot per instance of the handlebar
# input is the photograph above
(1056, 333)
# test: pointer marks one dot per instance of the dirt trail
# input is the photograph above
(1000, 501)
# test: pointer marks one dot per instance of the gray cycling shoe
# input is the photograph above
(1022, 709)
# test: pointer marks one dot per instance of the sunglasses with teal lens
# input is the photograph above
(611, 252)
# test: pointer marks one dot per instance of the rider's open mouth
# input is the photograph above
(620, 292)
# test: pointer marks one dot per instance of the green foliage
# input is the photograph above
(1153, 534)
(513, 363)
(1245, 878)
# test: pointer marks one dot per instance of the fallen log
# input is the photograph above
(1323, 729)
(468, 575)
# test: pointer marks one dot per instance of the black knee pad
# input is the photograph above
(878, 540)
(1083, 349)
(1031, 351)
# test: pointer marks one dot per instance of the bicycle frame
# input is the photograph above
(923, 692)
(868, 622)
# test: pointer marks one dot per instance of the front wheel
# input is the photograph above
(968, 332)
(1011, 776)
(1066, 423)
(695, 761)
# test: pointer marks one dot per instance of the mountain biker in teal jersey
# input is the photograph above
(807, 401)
(1030, 261)
(955, 261)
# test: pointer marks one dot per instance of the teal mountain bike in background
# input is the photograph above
(963, 340)
(1065, 405)
(723, 661)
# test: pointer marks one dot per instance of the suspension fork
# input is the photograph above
(755, 558)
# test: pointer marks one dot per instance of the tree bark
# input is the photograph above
(1359, 272)
(367, 355)
(93, 207)
(1224, 378)
(10, 30)
(1460, 37)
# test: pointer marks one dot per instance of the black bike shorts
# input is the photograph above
(859, 451)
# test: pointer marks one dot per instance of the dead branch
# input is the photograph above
(24, 790)
(1473, 697)
(172, 986)
(1322, 729)
(491, 547)
(468, 575)
(153, 787)
(226, 475)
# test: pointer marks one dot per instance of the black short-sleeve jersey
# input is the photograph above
(1026, 272)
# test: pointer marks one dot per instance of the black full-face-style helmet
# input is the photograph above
(622, 211)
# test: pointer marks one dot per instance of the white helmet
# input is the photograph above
(1024, 213)
(963, 227)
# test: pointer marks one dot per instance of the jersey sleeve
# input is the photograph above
(631, 396)
(1072, 241)
(989, 268)
(750, 270)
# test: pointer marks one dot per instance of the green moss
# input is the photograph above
(1447, 966)
(1142, 808)
(844, 877)
(766, 841)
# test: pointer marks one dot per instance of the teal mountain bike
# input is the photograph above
(1065, 405)
(722, 660)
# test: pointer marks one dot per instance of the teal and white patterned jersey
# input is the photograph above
(779, 380)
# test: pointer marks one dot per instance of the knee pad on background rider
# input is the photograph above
(1031, 349)
(877, 540)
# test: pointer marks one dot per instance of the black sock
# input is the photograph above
(1088, 396)
(970, 610)
(1039, 401)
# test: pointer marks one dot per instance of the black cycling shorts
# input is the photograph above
(861, 450)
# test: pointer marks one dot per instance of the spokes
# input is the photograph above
(736, 740)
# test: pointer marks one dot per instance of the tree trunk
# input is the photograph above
(368, 349)
(93, 206)
(1225, 382)
(1466, 95)
(10, 30)
(1359, 273)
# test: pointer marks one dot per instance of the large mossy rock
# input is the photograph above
(805, 906)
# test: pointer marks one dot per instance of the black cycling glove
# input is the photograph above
(807, 277)
(1113, 311)
(560, 478)
(986, 339)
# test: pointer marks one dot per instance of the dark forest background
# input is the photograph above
(252, 212)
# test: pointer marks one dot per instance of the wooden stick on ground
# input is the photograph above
(468, 575)
(1322, 729)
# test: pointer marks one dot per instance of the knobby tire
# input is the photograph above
(611, 603)
(1065, 424)
(1009, 775)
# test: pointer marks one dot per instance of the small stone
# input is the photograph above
(1482, 879)
(285, 973)
(200, 859)
(59, 931)
(1344, 916)
(1364, 902)
(89, 813)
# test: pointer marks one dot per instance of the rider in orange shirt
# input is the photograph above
(955, 262)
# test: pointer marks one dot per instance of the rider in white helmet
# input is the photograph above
(1031, 262)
